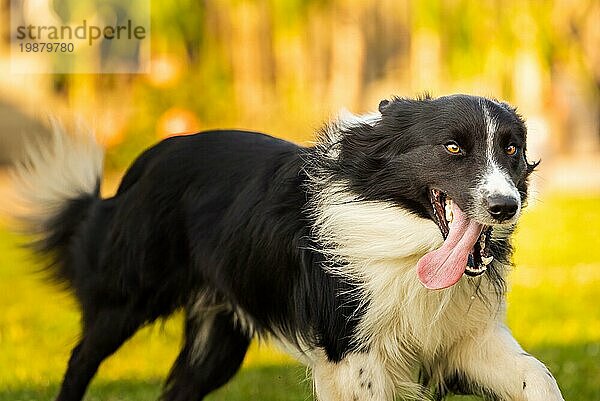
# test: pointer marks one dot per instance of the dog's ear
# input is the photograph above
(392, 107)
(383, 105)
(398, 114)
(396, 104)
(511, 109)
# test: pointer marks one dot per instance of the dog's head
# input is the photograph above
(457, 160)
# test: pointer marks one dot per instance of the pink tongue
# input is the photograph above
(443, 267)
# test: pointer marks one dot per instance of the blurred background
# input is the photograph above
(284, 67)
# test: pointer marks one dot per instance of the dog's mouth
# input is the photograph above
(466, 248)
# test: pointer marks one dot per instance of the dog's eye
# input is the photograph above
(453, 148)
(511, 150)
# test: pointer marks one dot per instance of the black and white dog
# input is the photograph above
(376, 256)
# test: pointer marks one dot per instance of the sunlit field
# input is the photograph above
(553, 311)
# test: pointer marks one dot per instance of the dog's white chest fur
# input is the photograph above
(408, 330)
(410, 326)
(405, 326)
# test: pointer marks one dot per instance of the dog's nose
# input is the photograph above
(502, 207)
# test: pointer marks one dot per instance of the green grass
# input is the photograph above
(553, 312)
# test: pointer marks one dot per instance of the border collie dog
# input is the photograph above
(377, 256)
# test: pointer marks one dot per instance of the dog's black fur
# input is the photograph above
(224, 219)
(219, 211)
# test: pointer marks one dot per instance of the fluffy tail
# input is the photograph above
(56, 184)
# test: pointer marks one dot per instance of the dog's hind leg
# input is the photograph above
(213, 351)
(102, 335)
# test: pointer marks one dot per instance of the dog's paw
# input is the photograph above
(540, 385)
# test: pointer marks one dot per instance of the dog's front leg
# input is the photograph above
(494, 362)
(357, 377)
